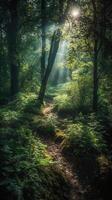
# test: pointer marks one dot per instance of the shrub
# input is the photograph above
(63, 104)
(84, 139)
(72, 99)
(83, 144)
(44, 125)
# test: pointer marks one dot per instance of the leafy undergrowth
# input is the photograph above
(68, 101)
(84, 146)
(27, 171)
(44, 125)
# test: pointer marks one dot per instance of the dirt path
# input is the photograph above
(54, 149)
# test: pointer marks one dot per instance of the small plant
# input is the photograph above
(45, 125)
(63, 104)
(84, 139)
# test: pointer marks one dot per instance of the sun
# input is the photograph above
(75, 12)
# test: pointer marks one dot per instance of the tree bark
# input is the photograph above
(95, 79)
(43, 28)
(52, 55)
(95, 60)
(99, 43)
(12, 29)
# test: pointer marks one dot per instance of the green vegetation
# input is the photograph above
(85, 143)
(85, 138)
(55, 99)
(25, 163)
(73, 98)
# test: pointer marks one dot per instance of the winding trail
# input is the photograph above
(55, 150)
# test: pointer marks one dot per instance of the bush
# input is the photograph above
(63, 104)
(83, 145)
(84, 140)
(72, 99)
(44, 125)
(20, 111)
(21, 158)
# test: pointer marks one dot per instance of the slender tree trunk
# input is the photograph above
(12, 47)
(98, 47)
(52, 55)
(95, 62)
(53, 51)
(43, 28)
(95, 78)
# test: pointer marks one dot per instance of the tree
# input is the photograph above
(12, 32)
(43, 28)
(52, 55)
(95, 59)
(53, 49)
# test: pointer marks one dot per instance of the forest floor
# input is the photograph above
(54, 149)
(56, 170)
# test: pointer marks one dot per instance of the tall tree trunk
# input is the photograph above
(12, 47)
(95, 60)
(52, 55)
(99, 36)
(43, 28)
(95, 78)
(53, 51)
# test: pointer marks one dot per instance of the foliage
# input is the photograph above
(20, 154)
(45, 126)
(84, 146)
(74, 97)
(23, 167)
(25, 164)
(84, 138)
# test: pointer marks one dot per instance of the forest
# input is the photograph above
(55, 99)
